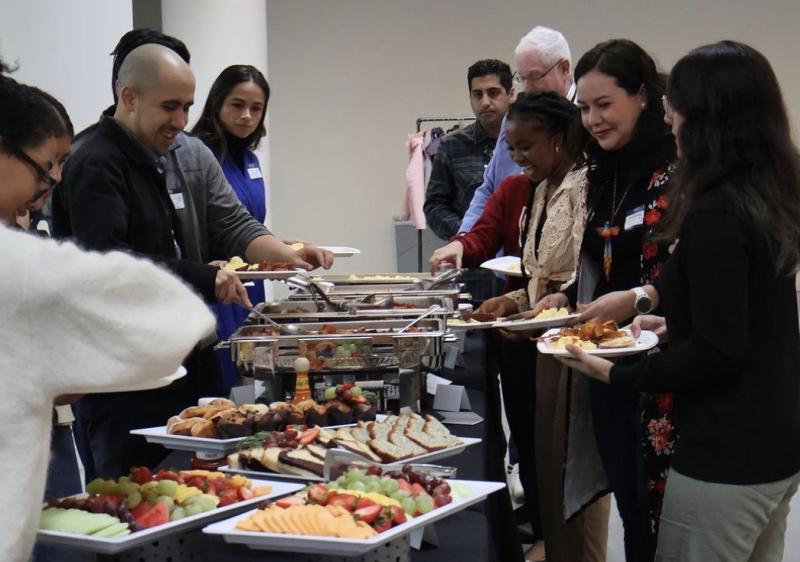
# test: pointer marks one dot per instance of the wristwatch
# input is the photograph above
(643, 303)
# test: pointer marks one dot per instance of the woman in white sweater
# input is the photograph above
(71, 322)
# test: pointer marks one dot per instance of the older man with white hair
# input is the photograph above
(544, 64)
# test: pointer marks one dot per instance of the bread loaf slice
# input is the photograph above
(427, 441)
(435, 428)
(396, 437)
(379, 430)
(303, 459)
(389, 452)
(358, 448)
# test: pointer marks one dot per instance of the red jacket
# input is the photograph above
(499, 225)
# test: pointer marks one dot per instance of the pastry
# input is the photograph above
(253, 409)
(183, 426)
(206, 428)
(232, 424)
(318, 415)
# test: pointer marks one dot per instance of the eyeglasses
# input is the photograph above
(41, 174)
(531, 78)
(667, 107)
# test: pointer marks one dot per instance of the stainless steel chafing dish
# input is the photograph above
(305, 310)
(376, 349)
(446, 298)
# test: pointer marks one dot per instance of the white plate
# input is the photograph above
(462, 326)
(341, 251)
(151, 384)
(268, 275)
(160, 436)
(112, 546)
(427, 457)
(268, 474)
(533, 324)
(508, 265)
(646, 340)
(347, 547)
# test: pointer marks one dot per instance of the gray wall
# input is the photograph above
(350, 77)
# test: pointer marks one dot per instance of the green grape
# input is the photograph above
(127, 487)
(134, 499)
(193, 509)
(424, 503)
(123, 479)
(148, 485)
(330, 393)
(167, 488)
(151, 496)
(400, 495)
(355, 392)
(94, 486)
(342, 352)
(167, 500)
(409, 505)
(342, 481)
(177, 513)
(333, 486)
(358, 486)
(389, 485)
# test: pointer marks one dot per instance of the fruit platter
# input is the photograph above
(116, 515)
(261, 270)
(220, 425)
(354, 514)
(291, 454)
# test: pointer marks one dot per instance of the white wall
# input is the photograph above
(63, 46)
(350, 77)
(219, 34)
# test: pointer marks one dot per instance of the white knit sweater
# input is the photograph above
(74, 322)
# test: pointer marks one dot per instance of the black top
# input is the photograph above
(734, 355)
(113, 196)
(457, 172)
(640, 204)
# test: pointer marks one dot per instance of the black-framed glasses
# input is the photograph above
(41, 174)
(530, 78)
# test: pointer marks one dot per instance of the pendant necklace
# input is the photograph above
(608, 230)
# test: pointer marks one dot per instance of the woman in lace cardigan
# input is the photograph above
(539, 215)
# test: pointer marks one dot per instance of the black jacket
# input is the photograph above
(734, 354)
(113, 196)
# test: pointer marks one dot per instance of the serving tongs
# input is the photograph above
(431, 309)
(285, 329)
(339, 461)
(320, 297)
(440, 279)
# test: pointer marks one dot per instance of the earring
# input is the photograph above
(556, 148)
(644, 105)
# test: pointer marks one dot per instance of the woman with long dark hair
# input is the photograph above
(728, 295)
(630, 153)
(232, 125)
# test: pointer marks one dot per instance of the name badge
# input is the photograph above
(254, 173)
(634, 218)
(177, 201)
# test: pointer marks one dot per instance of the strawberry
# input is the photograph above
(227, 497)
(319, 494)
(344, 500)
(404, 484)
(417, 489)
(364, 502)
(309, 436)
(289, 501)
(368, 514)
(245, 493)
(398, 515)
(141, 475)
(382, 524)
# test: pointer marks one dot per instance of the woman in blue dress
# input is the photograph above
(232, 125)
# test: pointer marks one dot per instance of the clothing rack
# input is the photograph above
(420, 121)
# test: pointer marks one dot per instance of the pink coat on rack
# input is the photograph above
(415, 181)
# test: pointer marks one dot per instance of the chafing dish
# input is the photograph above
(374, 348)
